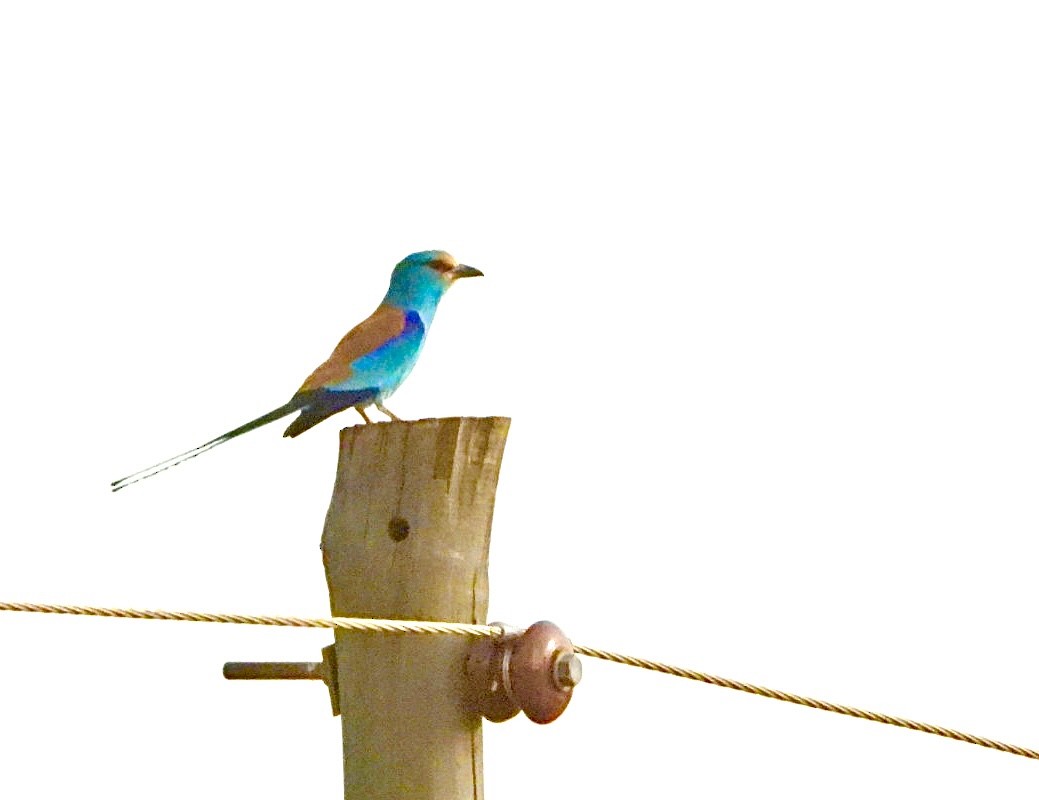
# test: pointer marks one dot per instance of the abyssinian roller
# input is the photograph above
(367, 365)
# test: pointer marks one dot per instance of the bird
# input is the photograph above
(368, 364)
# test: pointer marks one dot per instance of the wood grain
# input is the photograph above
(406, 537)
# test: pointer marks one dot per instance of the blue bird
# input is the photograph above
(368, 364)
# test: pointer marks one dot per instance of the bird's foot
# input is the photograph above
(388, 413)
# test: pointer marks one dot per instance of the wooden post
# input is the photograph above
(406, 537)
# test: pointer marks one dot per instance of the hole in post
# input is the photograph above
(399, 529)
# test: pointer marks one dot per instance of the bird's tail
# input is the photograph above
(295, 404)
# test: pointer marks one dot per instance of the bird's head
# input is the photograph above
(423, 277)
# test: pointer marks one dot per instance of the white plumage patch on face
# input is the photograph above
(444, 265)
(444, 262)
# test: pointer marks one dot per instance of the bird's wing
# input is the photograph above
(385, 323)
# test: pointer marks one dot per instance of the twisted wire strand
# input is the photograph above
(465, 629)
(822, 705)
(342, 623)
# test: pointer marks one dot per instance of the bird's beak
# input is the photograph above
(465, 271)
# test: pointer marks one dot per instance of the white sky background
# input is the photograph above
(760, 297)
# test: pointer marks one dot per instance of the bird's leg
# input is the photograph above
(388, 413)
(363, 415)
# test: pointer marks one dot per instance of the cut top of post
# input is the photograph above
(410, 518)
